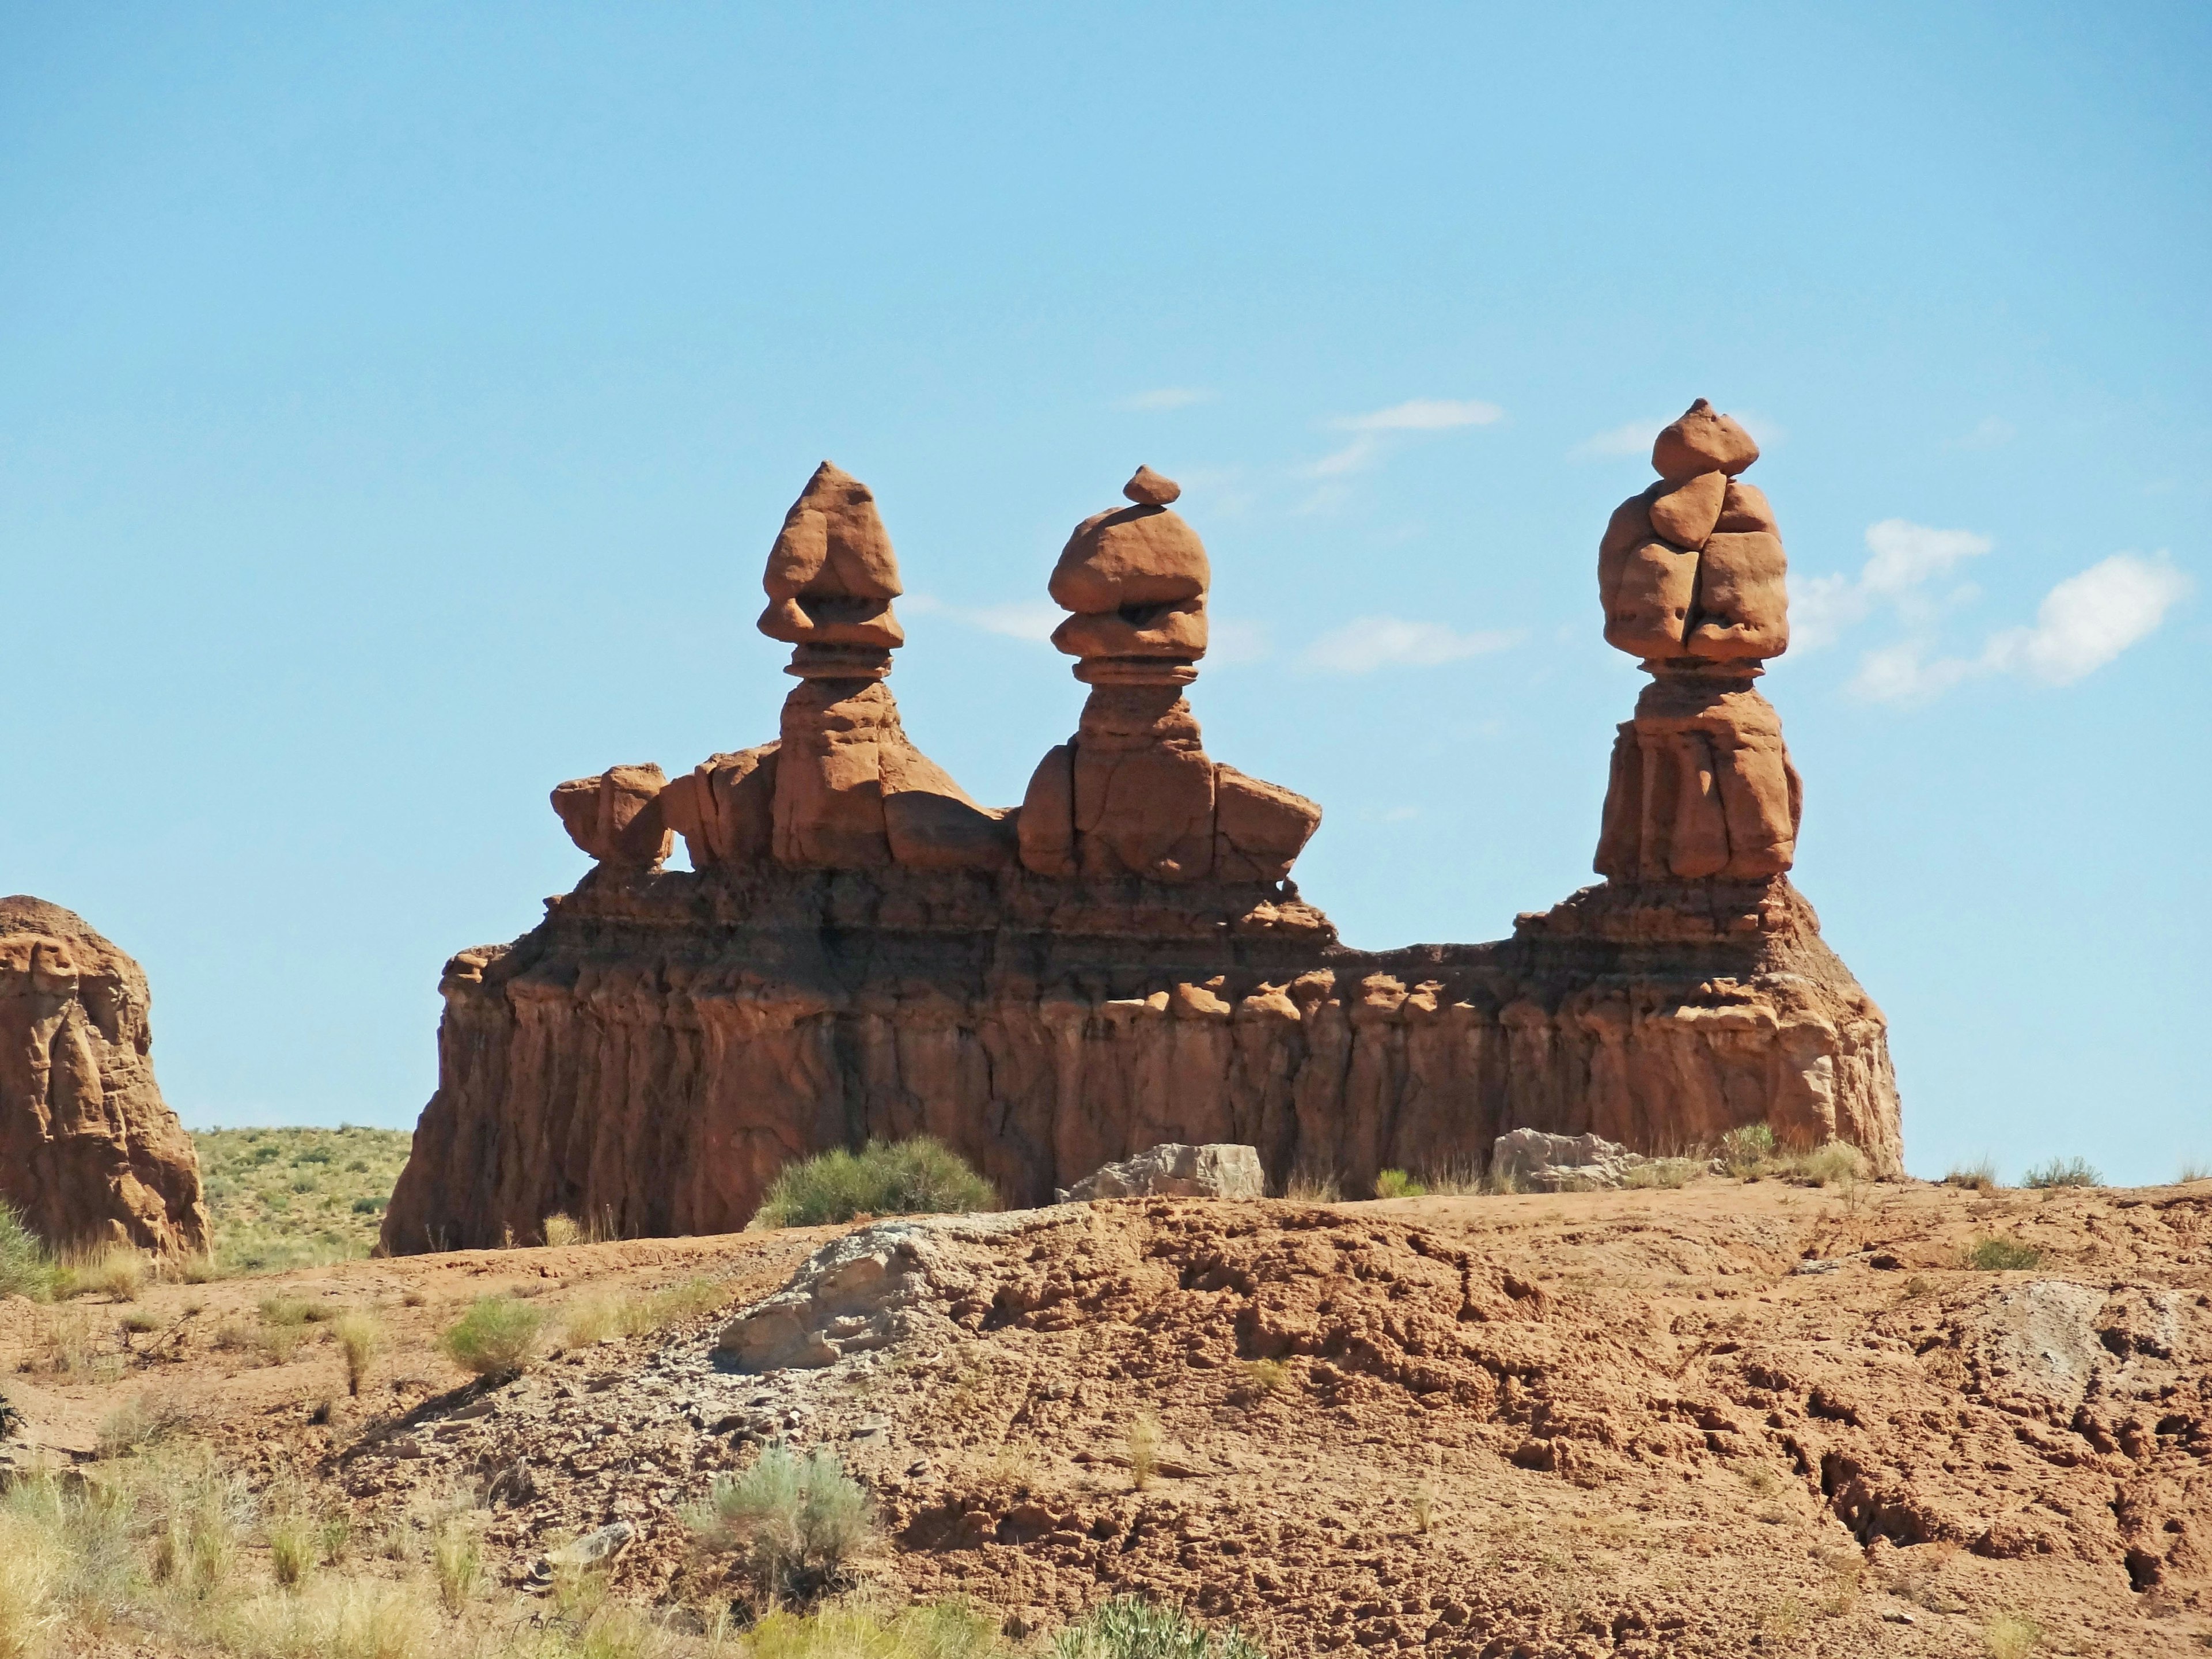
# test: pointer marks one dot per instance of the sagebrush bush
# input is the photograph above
(2002, 1255)
(497, 1337)
(799, 1520)
(2011, 1636)
(1746, 1151)
(2064, 1172)
(906, 1177)
(1128, 1627)
(1396, 1183)
(26, 1266)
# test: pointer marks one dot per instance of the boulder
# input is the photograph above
(1173, 1171)
(1534, 1162)
(89, 1152)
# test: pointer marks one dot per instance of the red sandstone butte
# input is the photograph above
(89, 1152)
(861, 951)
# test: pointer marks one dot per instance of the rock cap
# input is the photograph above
(1703, 440)
(1148, 488)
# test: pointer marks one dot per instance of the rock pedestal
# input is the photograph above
(89, 1152)
(861, 951)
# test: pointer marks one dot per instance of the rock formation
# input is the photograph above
(862, 950)
(89, 1152)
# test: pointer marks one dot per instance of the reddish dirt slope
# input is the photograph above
(1723, 1419)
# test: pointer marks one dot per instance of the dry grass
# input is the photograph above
(1979, 1177)
(1314, 1184)
(2001, 1256)
(358, 1337)
(598, 1318)
(1144, 1449)
(2011, 1636)
(2064, 1172)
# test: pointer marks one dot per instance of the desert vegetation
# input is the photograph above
(296, 1198)
(905, 1178)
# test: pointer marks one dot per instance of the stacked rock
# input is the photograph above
(1132, 793)
(843, 788)
(1691, 573)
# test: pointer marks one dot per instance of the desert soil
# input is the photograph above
(1727, 1418)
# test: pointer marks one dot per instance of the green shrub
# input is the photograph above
(2062, 1172)
(2002, 1256)
(906, 1177)
(497, 1337)
(1129, 1628)
(26, 1265)
(799, 1519)
(1396, 1183)
(1746, 1151)
(853, 1629)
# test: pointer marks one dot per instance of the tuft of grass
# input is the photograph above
(905, 1178)
(595, 1319)
(799, 1520)
(2193, 1170)
(1981, 1177)
(1314, 1183)
(1144, 1449)
(1456, 1177)
(1745, 1151)
(562, 1229)
(115, 1271)
(1128, 1627)
(30, 1573)
(359, 1337)
(1422, 1505)
(294, 1547)
(2002, 1256)
(1262, 1378)
(2011, 1636)
(457, 1565)
(26, 1265)
(497, 1337)
(1396, 1183)
(1835, 1163)
(857, 1630)
(1660, 1172)
(2062, 1172)
(136, 1424)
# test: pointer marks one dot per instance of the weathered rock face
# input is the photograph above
(1173, 1171)
(860, 951)
(89, 1152)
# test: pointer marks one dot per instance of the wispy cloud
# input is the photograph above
(1166, 396)
(1629, 438)
(1906, 557)
(1355, 456)
(2083, 623)
(1017, 621)
(1991, 432)
(1422, 414)
(1367, 643)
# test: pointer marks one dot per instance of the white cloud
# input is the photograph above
(1367, 643)
(1422, 414)
(1905, 558)
(2088, 620)
(1629, 438)
(1164, 397)
(1355, 456)
(1017, 621)
(2083, 623)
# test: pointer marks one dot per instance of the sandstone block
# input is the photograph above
(1745, 507)
(833, 544)
(616, 815)
(1647, 608)
(1046, 826)
(1148, 488)
(1703, 440)
(1539, 1163)
(1133, 556)
(1685, 515)
(725, 808)
(1173, 1171)
(1742, 610)
(1260, 828)
(1176, 631)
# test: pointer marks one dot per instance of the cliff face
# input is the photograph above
(861, 950)
(658, 1047)
(89, 1152)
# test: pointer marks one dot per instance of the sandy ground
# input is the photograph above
(1728, 1418)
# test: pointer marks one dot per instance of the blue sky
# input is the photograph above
(397, 403)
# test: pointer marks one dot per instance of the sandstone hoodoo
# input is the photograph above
(862, 950)
(89, 1152)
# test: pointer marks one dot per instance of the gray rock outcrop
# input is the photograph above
(1171, 1169)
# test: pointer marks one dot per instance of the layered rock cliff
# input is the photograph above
(89, 1152)
(861, 951)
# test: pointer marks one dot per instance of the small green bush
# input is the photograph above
(1129, 1628)
(1745, 1151)
(799, 1519)
(906, 1177)
(1396, 1183)
(2002, 1256)
(497, 1337)
(26, 1265)
(2064, 1172)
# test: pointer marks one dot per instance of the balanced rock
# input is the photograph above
(1703, 440)
(1173, 1171)
(89, 1152)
